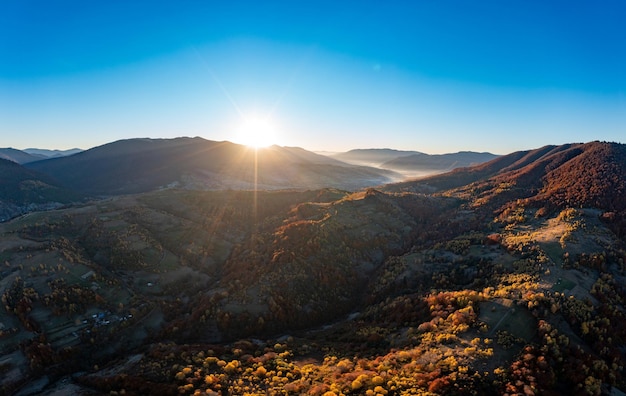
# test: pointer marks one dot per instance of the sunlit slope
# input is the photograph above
(591, 174)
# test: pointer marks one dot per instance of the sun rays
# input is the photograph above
(256, 132)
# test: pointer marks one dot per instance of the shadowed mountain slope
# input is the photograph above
(23, 190)
(139, 165)
(24, 186)
(321, 256)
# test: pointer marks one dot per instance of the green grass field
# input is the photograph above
(504, 315)
(564, 284)
(554, 251)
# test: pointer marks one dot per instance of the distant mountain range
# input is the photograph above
(52, 153)
(17, 156)
(34, 154)
(372, 157)
(140, 165)
(414, 163)
(438, 162)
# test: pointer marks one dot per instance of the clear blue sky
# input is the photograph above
(432, 76)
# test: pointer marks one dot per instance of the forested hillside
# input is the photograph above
(505, 278)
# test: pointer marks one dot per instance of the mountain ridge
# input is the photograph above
(47, 153)
(439, 162)
(372, 156)
(413, 163)
(18, 156)
(139, 165)
(33, 154)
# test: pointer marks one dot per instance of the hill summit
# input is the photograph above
(582, 174)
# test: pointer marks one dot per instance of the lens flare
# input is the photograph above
(256, 132)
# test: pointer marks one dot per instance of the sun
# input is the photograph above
(256, 132)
